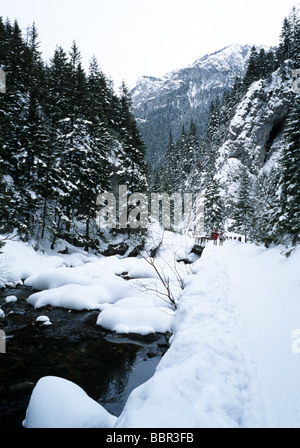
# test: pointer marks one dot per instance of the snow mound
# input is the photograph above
(59, 403)
(136, 315)
(11, 299)
(75, 297)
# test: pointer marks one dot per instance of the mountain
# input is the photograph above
(163, 105)
(255, 134)
(251, 160)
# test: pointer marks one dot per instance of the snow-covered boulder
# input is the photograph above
(59, 403)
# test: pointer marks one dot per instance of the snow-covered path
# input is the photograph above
(231, 362)
(204, 380)
(267, 285)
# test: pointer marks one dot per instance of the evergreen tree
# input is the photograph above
(243, 214)
(294, 20)
(284, 48)
(266, 206)
(193, 183)
(133, 169)
(63, 136)
(262, 66)
(290, 199)
(252, 72)
(208, 148)
(189, 152)
(171, 167)
(33, 164)
(213, 205)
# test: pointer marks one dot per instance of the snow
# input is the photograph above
(233, 360)
(136, 315)
(20, 261)
(231, 59)
(11, 299)
(45, 319)
(203, 379)
(58, 403)
(271, 311)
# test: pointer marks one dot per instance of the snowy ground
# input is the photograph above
(234, 356)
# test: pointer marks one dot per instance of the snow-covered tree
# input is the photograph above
(213, 205)
(290, 163)
(243, 214)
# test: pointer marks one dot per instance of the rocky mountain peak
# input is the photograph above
(164, 104)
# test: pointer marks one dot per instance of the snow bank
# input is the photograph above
(79, 297)
(98, 285)
(202, 381)
(58, 403)
(230, 363)
(136, 315)
(26, 261)
(20, 261)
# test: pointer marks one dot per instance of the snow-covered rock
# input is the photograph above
(136, 315)
(259, 120)
(44, 319)
(256, 132)
(58, 403)
(10, 299)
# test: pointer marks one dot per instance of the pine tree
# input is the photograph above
(35, 68)
(294, 21)
(208, 148)
(171, 167)
(133, 169)
(189, 153)
(266, 206)
(213, 205)
(284, 48)
(63, 137)
(271, 62)
(243, 214)
(33, 164)
(100, 93)
(262, 66)
(252, 72)
(290, 199)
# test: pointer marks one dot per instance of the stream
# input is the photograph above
(105, 365)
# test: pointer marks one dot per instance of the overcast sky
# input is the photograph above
(131, 38)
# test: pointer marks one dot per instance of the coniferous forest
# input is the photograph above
(66, 136)
(120, 306)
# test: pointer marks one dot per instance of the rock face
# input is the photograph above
(162, 105)
(255, 135)
(257, 127)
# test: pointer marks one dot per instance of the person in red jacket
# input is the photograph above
(215, 236)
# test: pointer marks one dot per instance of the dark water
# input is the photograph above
(107, 366)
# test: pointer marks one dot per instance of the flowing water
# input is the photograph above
(107, 366)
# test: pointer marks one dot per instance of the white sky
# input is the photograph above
(131, 38)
